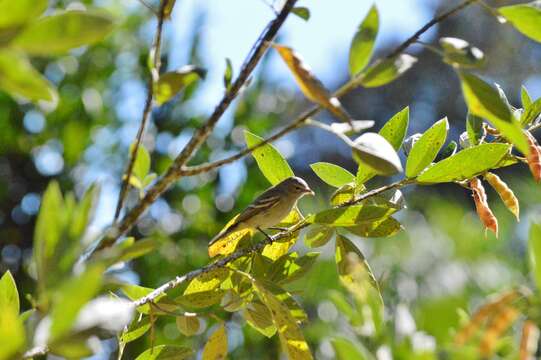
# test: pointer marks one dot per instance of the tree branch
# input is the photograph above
(173, 173)
(303, 118)
(155, 54)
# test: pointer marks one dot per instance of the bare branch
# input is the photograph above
(155, 54)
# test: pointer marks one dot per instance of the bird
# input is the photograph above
(269, 208)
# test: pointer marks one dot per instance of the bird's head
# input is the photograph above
(297, 186)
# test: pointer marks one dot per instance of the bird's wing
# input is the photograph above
(263, 203)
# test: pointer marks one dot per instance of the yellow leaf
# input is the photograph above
(279, 248)
(291, 336)
(188, 324)
(216, 346)
(228, 244)
(309, 84)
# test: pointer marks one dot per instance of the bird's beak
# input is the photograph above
(310, 192)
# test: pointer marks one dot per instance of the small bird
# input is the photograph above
(269, 208)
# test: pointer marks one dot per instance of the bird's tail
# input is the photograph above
(224, 233)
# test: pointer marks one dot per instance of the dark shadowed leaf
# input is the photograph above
(384, 228)
(302, 12)
(526, 18)
(260, 318)
(377, 153)
(383, 72)
(531, 112)
(474, 128)
(19, 78)
(425, 149)
(465, 164)
(271, 163)
(166, 352)
(333, 175)
(171, 83)
(352, 215)
(363, 41)
(228, 73)
(61, 32)
(485, 101)
(318, 236)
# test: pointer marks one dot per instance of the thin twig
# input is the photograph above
(155, 54)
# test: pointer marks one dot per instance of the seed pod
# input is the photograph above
(505, 193)
(483, 313)
(309, 84)
(528, 341)
(534, 157)
(495, 328)
(481, 205)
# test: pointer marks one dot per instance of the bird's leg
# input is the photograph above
(264, 233)
(279, 228)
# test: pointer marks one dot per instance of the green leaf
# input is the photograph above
(531, 112)
(387, 227)
(534, 252)
(302, 12)
(172, 82)
(526, 18)
(394, 131)
(525, 97)
(474, 128)
(188, 325)
(141, 165)
(362, 44)
(209, 280)
(260, 318)
(9, 296)
(351, 215)
(12, 334)
(291, 336)
(166, 352)
(426, 149)
(19, 78)
(318, 236)
(20, 11)
(465, 164)
(271, 163)
(333, 175)
(484, 101)
(458, 52)
(374, 151)
(137, 328)
(344, 349)
(383, 72)
(49, 227)
(228, 74)
(71, 297)
(356, 276)
(290, 267)
(216, 346)
(56, 34)
(345, 194)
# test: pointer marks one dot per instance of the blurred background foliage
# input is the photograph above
(438, 267)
